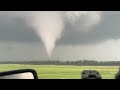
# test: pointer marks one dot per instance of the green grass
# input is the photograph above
(59, 72)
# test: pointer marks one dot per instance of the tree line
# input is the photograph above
(77, 63)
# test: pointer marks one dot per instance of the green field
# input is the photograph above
(59, 72)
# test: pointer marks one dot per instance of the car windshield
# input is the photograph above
(60, 44)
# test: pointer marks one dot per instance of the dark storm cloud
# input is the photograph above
(17, 30)
(108, 29)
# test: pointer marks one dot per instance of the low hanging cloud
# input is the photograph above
(50, 25)
(68, 27)
(108, 29)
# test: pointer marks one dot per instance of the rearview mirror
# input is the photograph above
(19, 74)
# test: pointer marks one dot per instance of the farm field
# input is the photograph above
(63, 72)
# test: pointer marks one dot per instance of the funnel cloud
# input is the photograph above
(49, 25)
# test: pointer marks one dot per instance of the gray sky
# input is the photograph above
(18, 41)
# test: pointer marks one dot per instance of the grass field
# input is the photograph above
(59, 72)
